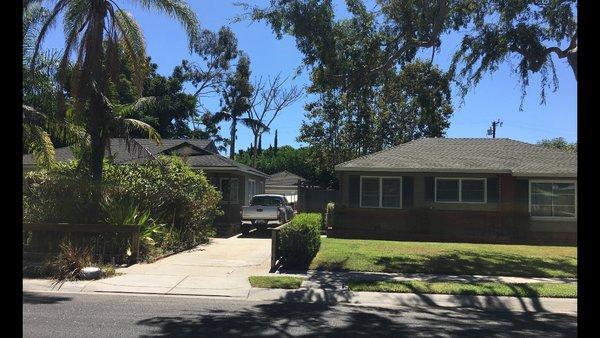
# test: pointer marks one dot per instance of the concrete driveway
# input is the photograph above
(219, 268)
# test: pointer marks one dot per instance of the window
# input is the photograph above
(251, 189)
(465, 190)
(229, 189)
(552, 199)
(380, 192)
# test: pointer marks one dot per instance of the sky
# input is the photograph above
(497, 96)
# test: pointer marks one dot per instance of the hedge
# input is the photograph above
(300, 240)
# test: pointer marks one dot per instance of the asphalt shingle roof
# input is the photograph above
(122, 154)
(283, 178)
(499, 155)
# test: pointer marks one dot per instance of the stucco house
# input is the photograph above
(237, 182)
(284, 183)
(460, 189)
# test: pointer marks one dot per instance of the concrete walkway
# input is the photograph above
(220, 268)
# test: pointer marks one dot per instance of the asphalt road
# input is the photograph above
(82, 315)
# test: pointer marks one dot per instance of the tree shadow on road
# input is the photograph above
(287, 319)
(36, 298)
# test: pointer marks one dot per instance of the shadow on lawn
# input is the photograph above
(469, 263)
(286, 319)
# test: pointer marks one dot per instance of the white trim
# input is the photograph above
(552, 218)
(460, 179)
(380, 192)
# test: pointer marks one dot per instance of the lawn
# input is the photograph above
(446, 258)
(275, 282)
(555, 290)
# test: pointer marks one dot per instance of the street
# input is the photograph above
(109, 315)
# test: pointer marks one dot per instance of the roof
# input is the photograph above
(476, 155)
(283, 178)
(217, 161)
(199, 154)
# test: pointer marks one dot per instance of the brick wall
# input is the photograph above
(434, 225)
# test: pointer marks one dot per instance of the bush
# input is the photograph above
(330, 215)
(161, 196)
(70, 261)
(300, 240)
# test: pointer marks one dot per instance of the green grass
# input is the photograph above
(446, 258)
(275, 282)
(556, 290)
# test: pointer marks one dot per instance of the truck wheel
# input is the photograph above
(245, 229)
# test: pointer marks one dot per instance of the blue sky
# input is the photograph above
(497, 95)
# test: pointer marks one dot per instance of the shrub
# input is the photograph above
(70, 261)
(300, 240)
(160, 195)
(330, 215)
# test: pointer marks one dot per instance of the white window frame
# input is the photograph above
(237, 194)
(559, 218)
(380, 192)
(459, 179)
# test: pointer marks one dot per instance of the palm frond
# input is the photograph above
(179, 10)
(38, 142)
(253, 123)
(131, 40)
(45, 26)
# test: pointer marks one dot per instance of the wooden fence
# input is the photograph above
(315, 199)
(108, 241)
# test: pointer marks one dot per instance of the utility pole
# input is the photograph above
(492, 129)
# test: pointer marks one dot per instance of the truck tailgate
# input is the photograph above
(260, 212)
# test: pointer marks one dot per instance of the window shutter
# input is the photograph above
(522, 194)
(492, 189)
(407, 191)
(429, 188)
(353, 190)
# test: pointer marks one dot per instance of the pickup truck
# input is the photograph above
(264, 210)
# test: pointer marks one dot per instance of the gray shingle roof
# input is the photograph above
(205, 157)
(499, 155)
(217, 161)
(284, 178)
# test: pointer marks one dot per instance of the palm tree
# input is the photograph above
(95, 32)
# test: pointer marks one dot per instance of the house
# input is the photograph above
(284, 183)
(460, 189)
(237, 182)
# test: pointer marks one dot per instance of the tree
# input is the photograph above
(493, 32)
(559, 143)
(216, 51)
(95, 31)
(299, 161)
(236, 100)
(275, 142)
(268, 100)
(170, 106)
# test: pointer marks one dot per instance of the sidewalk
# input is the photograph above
(339, 279)
(220, 268)
(327, 287)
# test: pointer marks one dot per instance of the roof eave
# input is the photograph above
(458, 170)
(428, 170)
